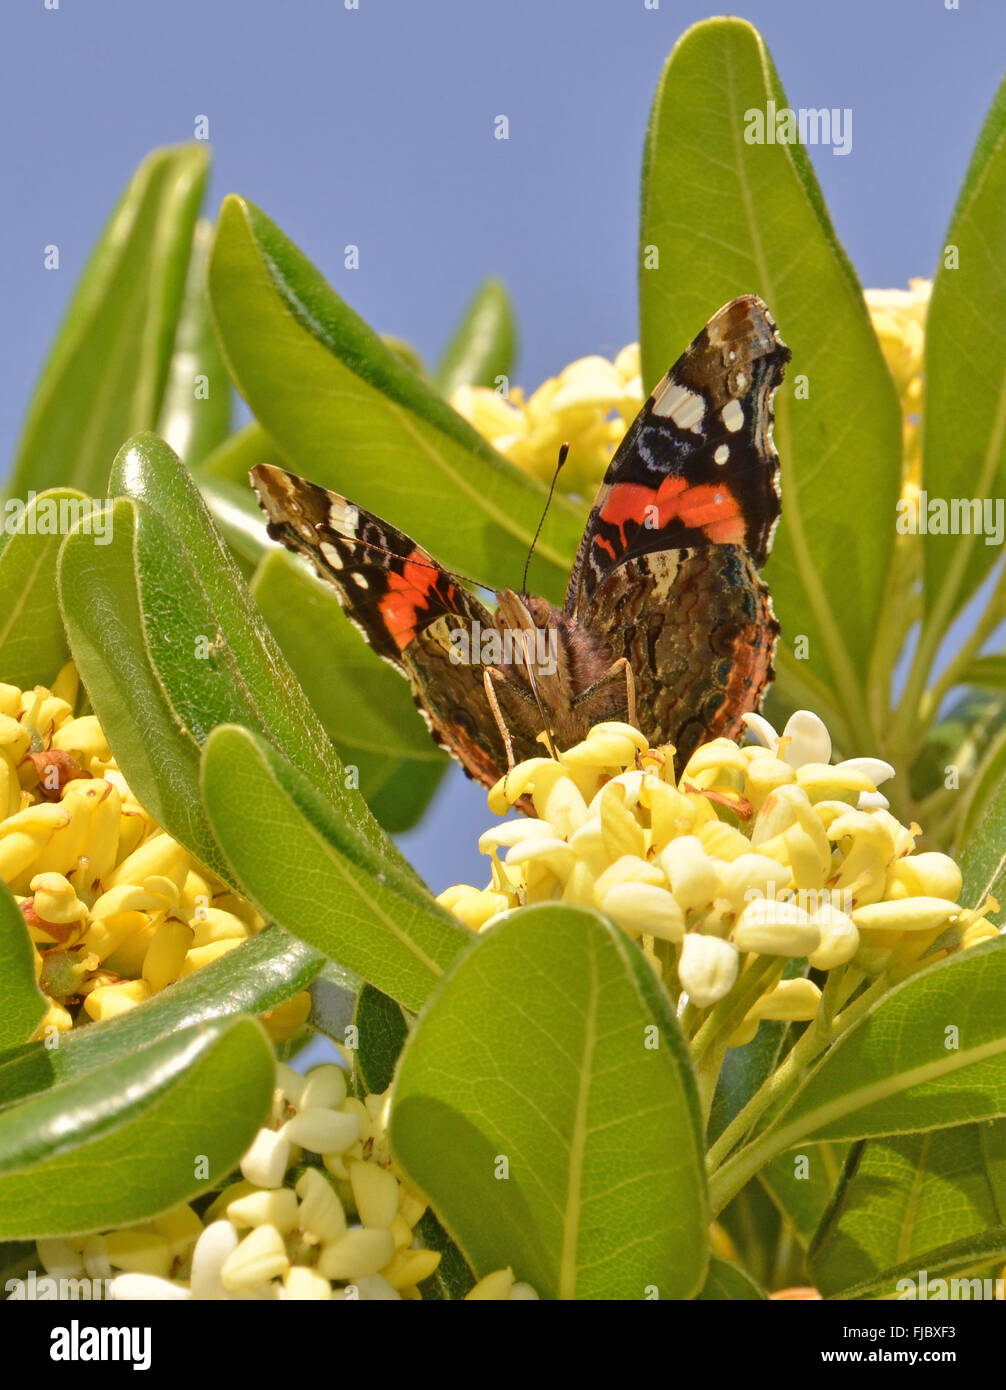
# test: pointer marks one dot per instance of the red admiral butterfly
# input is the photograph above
(666, 624)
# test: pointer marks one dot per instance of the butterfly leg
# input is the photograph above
(595, 702)
(497, 713)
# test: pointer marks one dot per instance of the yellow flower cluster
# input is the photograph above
(899, 320)
(115, 908)
(589, 405)
(753, 855)
(319, 1214)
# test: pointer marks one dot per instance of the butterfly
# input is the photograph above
(666, 623)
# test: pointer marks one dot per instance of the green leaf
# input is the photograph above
(904, 1196)
(987, 671)
(260, 974)
(976, 1255)
(318, 877)
(754, 1225)
(802, 1184)
(982, 802)
(743, 1072)
(118, 1144)
(983, 862)
(535, 1050)
(24, 1006)
(728, 218)
(964, 420)
(314, 373)
(899, 1070)
(238, 518)
(452, 1278)
(365, 706)
(726, 1281)
(381, 1033)
(484, 344)
(195, 415)
(32, 641)
(237, 455)
(101, 608)
(106, 374)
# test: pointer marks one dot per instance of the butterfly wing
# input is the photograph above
(667, 569)
(404, 603)
(697, 466)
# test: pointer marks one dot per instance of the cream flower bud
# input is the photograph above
(266, 1162)
(806, 739)
(620, 830)
(776, 929)
(374, 1288)
(790, 1001)
(303, 1285)
(523, 1293)
(321, 1214)
(324, 1086)
(839, 938)
(322, 1131)
(691, 873)
(375, 1192)
(645, 909)
(274, 1207)
(629, 869)
(55, 900)
(408, 1267)
(213, 1248)
(135, 1288)
(493, 1288)
(139, 1252)
(749, 875)
(904, 914)
(512, 832)
(261, 1256)
(707, 969)
(924, 875)
(361, 1251)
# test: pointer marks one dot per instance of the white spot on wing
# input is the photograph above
(684, 407)
(722, 454)
(332, 555)
(360, 580)
(733, 415)
(344, 517)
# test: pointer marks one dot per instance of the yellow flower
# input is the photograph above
(115, 907)
(899, 320)
(289, 1230)
(753, 856)
(588, 405)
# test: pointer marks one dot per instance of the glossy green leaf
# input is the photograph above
(726, 218)
(23, 1004)
(317, 876)
(32, 640)
(483, 345)
(929, 1054)
(260, 974)
(754, 1225)
(101, 608)
(237, 455)
(366, 708)
(727, 1282)
(381, 1032)
(107, 371)
(121, 1143)
(245, 676)
(534, 1053)
(349, 414)
(964, 420)
(902, 1197)
(195, 416)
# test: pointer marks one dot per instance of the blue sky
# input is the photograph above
(374, 126)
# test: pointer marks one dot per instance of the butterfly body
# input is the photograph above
(666, 623)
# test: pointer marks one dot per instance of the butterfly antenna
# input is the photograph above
(563, 451)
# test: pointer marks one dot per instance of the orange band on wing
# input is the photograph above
(407, 594)
(711, 508)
